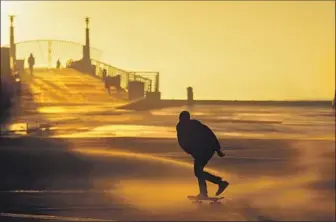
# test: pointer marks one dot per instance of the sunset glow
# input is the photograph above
(225, 50)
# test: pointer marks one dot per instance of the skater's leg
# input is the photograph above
(222, 185)
(211, 178)
(198, 170)
(208, 176)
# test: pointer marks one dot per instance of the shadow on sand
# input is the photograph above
(36, 165)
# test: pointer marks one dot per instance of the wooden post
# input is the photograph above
(190, 96)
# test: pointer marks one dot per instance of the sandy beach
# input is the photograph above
(280, 162)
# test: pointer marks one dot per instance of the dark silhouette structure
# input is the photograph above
(190, 95)
(6, 84)
(20, 66)
(136, 90)
(12, 42)
(201, 143)
(31, 63)
(86, 47)
(334, 101)
(84, 65)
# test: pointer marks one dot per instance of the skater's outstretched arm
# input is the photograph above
(220, 153)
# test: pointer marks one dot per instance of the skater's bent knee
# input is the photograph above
(198, 173)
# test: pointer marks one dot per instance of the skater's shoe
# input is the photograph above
(221, 187)
(202, 196)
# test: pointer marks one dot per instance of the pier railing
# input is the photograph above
(47, 52)
(150, 79)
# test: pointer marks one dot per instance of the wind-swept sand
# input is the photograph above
(99, 163)
(149, 179)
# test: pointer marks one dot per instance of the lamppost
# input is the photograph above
(11, 42)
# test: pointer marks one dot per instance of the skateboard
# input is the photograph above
(213, 200)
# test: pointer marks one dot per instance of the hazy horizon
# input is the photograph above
(224, 50)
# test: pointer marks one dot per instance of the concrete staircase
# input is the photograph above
(69, 86)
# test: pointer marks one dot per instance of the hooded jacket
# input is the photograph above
(196, 138)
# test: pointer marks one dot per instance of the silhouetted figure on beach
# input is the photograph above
(31, 63)
(201, 143)
(58, 64)
(106, 81)
(117, 79)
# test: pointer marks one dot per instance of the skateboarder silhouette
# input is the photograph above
(201, 143)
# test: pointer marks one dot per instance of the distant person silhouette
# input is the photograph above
(31, 63)
(106, 81)
(58, 64)
(201, 143)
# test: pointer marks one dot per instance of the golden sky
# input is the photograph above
(224, 49)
